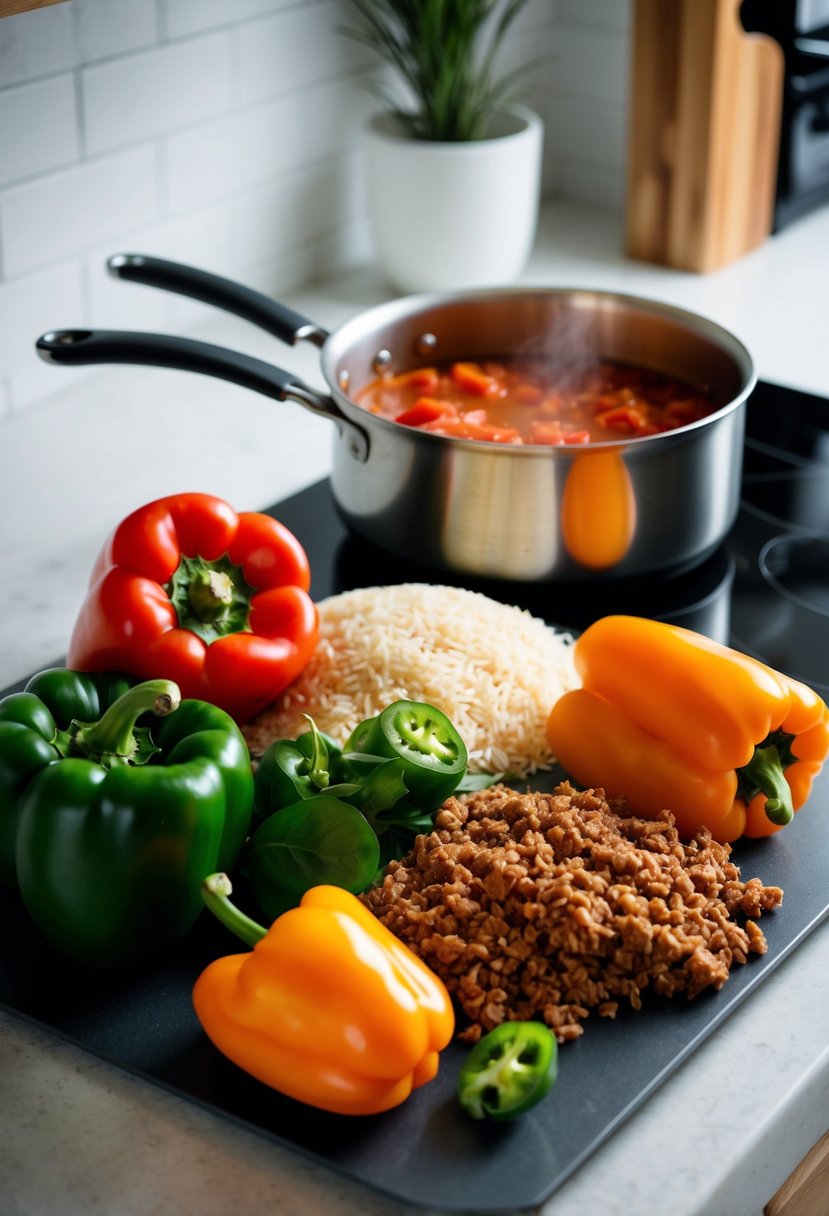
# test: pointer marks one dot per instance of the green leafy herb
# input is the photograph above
(320, 840)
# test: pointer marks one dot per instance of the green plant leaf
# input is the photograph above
(445, 53)
(320, 840)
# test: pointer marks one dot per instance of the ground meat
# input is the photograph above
(553, 905)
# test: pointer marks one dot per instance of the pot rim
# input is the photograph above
(393, 311)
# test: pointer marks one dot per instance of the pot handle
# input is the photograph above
(253, 306)
(73, 347)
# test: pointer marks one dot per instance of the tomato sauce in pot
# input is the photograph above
(520, 401)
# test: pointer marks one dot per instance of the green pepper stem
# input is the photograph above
(211, 598)
(113, 734)
(210, 595)
(764, 772)
(318, 760)
(215, 891)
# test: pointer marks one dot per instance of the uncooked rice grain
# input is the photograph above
(493, 669)
(552, 905)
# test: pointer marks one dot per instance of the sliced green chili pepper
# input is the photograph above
(293, 769)
(510, 1070)
(433, 755)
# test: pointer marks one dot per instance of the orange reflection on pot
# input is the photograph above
(598, 509)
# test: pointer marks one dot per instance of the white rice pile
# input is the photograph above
(494, 670)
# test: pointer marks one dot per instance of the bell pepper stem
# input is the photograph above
(764, 772)
(210, 595)
(215, 891)
(113, 735)
(318, 760)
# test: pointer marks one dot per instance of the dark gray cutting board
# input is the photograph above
(427, 1151)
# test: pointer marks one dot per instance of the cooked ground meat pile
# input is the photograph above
(553, 905)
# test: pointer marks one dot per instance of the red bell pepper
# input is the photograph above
(187, 590)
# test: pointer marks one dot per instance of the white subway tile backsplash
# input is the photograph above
(63, 213)
(36, 43)
(113, 27)
(591, 183)
(342, 247)
(163, 89)
(183, 17)
(200, 238)
(115, 304)
(612, 14)
(276, 277)
(588, 130)
(332, 116)
(52, 299)
(297, 47)
(38, 127)
(222, 157)
(304, 205)
(589, 62)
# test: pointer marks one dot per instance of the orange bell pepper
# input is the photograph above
(669, 719)
(329, 1007)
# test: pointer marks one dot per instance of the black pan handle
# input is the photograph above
(72, 347)
(253, 306)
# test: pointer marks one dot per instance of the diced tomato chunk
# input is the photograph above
(628, 418)
(425, 409)
(680, 413)
(472, 379)
(528, 394)
(426, 378)
(462, 428)
(553, 434)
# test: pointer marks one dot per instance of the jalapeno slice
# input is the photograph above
(511, 1069)
(294, 769)
(433, 755)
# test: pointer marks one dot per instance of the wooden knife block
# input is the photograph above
(704, 132)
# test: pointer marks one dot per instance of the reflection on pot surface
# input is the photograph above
(598, 509)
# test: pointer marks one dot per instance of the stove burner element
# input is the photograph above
(797, 567)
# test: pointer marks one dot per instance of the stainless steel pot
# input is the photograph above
(659, 503)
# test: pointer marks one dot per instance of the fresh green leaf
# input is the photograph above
(320, 840)
(445, 53)
(479, 781)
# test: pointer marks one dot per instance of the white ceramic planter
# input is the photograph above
(449, 216)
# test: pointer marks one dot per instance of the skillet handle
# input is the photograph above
(253, 306)
(72, 347)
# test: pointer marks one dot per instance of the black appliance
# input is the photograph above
(802, 29)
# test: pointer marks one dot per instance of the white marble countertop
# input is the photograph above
(80, 1136)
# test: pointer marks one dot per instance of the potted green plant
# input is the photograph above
(454, 165)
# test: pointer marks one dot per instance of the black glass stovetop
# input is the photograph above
(766, 591)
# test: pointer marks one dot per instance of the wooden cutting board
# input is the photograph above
(704, 127)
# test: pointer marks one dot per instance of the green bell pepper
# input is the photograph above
(108, 830)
